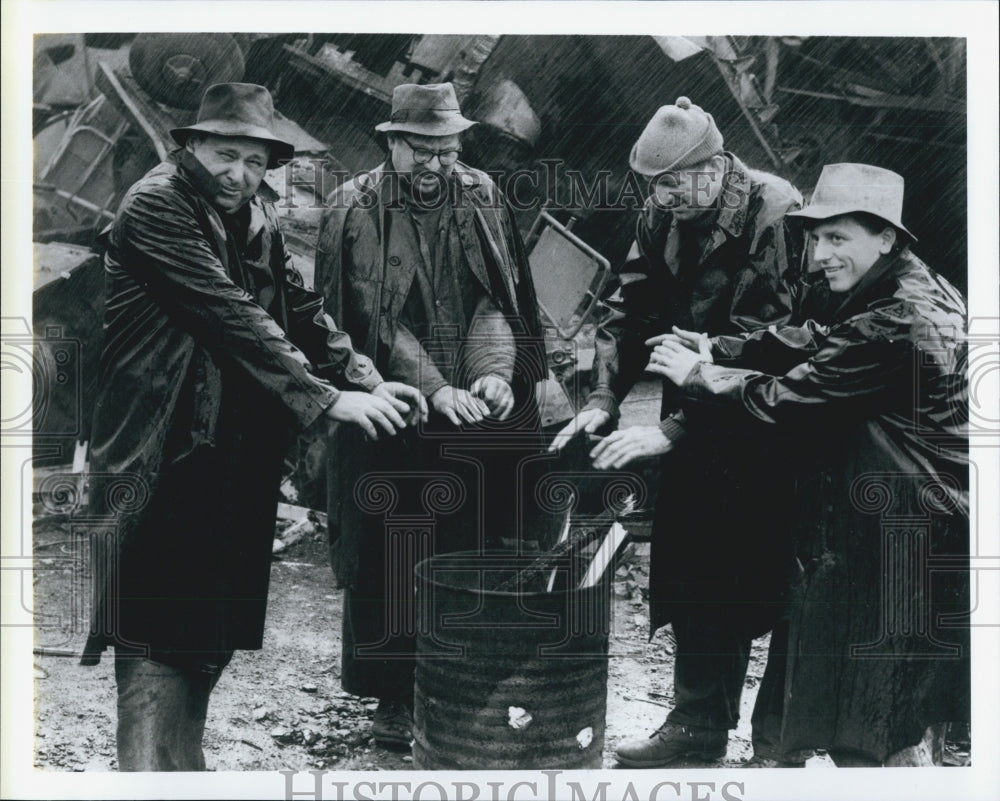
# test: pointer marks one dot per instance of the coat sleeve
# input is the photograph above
(328, 348)
(490, 348)
(620, 352)
(160, 238)
(409, 362)
(774, 349)
(857, 369)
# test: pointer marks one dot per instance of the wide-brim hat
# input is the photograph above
(848, 188)
(238, 109)
(427, 110)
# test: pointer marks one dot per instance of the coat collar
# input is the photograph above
(476, 230)
(725, 222)
(735, 184)
(874, 284)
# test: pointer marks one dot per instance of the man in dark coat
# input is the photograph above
(875, 654)
(422, 263)
(711, 247)
(212, 355)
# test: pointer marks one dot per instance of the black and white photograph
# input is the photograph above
(500, 400)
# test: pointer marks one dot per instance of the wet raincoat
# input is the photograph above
(879, 645)
(212, 355)
(366, 288)
(708, 557)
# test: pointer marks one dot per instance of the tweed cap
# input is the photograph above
(677, 137)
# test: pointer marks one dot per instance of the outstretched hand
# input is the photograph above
(692, 340)
(626, 445)
(369, 411)
(405, 399)
(497, 394)
(459, 405)
(587, 421)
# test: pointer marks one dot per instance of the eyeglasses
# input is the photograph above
(421, 155)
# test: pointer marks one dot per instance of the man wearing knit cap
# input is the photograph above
(422, 260)
(710, 247)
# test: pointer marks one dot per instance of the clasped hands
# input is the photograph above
(675, 355)
(489, 396)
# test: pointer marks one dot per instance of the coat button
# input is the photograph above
(395, 261)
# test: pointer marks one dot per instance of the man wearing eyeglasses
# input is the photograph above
(421, 261)
(710, 246)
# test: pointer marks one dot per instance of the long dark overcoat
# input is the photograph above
(715, 525)
(200, 384)
(879, 641)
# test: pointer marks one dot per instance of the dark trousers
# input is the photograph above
(377, 658)
(710, 665)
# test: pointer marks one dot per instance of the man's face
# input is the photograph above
(845, 250)
(409, 150)
(238, 163)
(691, 191)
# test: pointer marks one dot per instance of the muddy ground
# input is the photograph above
(282, 707)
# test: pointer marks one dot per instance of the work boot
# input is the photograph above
(393, 724)
(672, 742)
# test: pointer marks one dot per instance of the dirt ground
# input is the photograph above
(282, 707)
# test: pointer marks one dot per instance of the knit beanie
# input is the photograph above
(677, 137)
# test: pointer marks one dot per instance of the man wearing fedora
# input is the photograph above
(211, 357)
(711, 250)
(422, 262)
(874, 655)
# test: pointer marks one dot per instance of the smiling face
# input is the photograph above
(238, 164)
(845, 249)
(408, 150)
(691, 191)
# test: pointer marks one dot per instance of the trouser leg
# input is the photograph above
(769, 706)
(766, 721)
(375, 660)
(710, 665)
(161, 713)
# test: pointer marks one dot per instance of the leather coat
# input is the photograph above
(194, 322)
(879, 403)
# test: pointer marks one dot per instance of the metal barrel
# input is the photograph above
(508, 680)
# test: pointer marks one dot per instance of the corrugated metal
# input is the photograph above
(506, 680)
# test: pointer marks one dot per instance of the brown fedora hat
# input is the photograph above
(238, 109)
(429, 110)
(845, 188)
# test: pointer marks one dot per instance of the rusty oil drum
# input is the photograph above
(508, 680)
